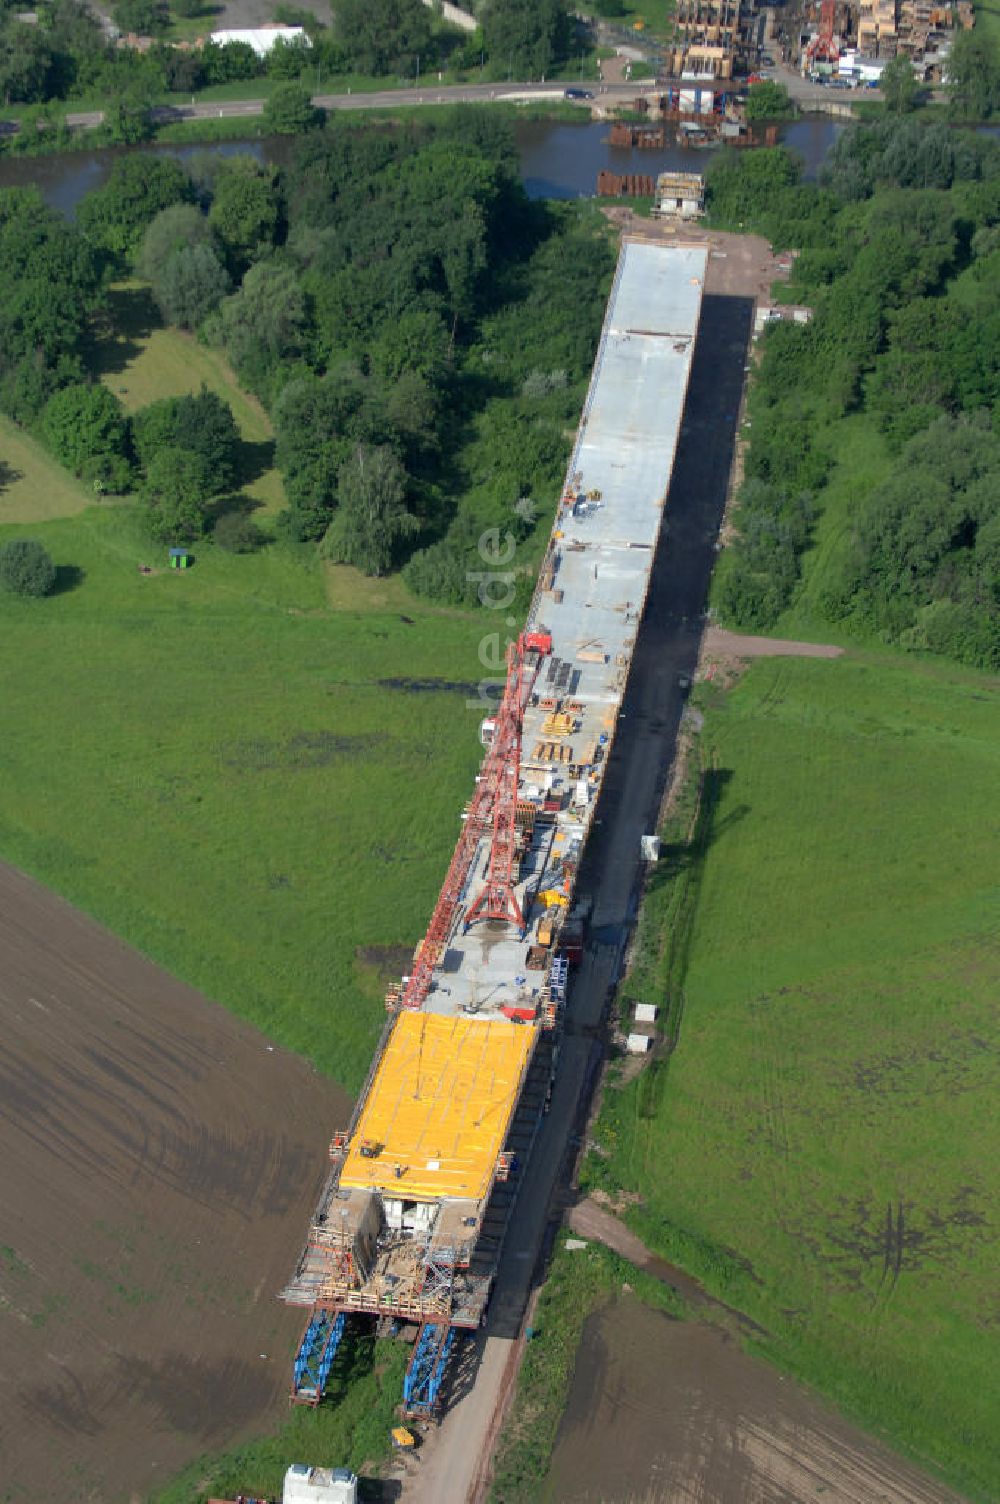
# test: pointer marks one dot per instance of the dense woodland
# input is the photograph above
(419, 331)
(900, 261)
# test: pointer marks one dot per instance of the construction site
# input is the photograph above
(423, 1181)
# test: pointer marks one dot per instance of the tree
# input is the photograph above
(768, 101)
(236, 533)
(263, 323)
(384, 36)
(973, 76)
(85, 428)
(26, 63)
(289, 111)
(371, 517)
(49, 288)
(176, 489)
(174, 229)
(899, 86)
(525, 38)
(317, 424)
(26, 569)
(183, 72)
(288, 59)
(116, 216)
(144, 18)
(204, 425)
(201, 426)
(191, 285)
(127, 120)
(244, 212)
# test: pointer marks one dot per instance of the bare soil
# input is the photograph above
(720, 644)
(662, 1410)
(158, 1161)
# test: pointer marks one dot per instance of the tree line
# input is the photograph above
(418, 330)
(899, 259)
(68, 55)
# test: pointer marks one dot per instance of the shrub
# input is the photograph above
(26, 569)
(237, 533)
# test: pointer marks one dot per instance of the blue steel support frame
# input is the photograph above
(315, 1356)
(422, 1384)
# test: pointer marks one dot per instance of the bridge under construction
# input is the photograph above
(423, 1181)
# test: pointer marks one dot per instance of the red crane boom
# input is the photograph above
(498, 899)
(496, 795)
(823, 45)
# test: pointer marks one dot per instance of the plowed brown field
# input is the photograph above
(158, 1162)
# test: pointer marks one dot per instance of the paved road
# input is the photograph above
(454, 1458)
(382, 99)
(802, 91)
(810, 96)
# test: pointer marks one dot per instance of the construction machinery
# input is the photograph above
(823, 48)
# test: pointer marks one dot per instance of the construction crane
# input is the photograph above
(495, 787)
(823, 48)
(498, 898)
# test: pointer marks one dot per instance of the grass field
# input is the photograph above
(821, 1148)
(653, 17)
(140, 360)
(988, 19)
(33, 486)
(216, 766)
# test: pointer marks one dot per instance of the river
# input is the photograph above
(559, 159)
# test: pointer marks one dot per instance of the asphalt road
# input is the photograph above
(805, 94)
(382, 99)
(455, 1458)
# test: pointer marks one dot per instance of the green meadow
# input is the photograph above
(820, 1145)
(215, 764)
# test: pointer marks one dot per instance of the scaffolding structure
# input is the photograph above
(425, 1373)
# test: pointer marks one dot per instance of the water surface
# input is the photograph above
(559, 159)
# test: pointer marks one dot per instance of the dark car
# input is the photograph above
(578, 94)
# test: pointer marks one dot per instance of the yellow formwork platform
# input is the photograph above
(438, 1108)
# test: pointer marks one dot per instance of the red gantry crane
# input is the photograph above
(823, 47)
(498, 898)
(495, 798)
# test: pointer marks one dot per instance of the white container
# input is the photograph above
(638, 1044)
(645, 1013)
(319, 1485)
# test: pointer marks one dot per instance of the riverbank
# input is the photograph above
(561, 153)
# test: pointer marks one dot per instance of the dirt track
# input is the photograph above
(158, 1162)
(721, 644)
